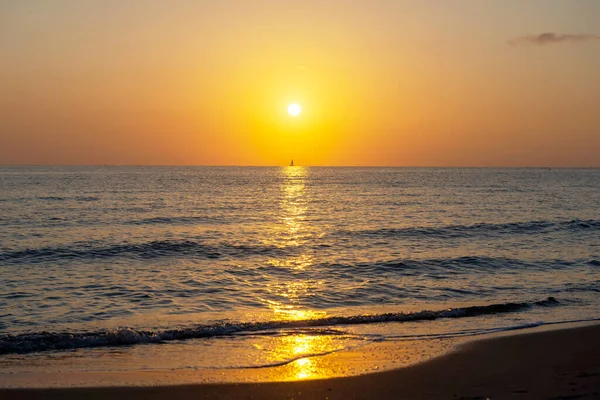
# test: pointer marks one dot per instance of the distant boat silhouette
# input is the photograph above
(292, 163)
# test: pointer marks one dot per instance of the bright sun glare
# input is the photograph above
(294, 110)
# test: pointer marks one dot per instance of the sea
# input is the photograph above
(222, 269)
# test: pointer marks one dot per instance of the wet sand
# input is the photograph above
(558, 364)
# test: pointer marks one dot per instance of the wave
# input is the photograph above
(467, 231)
(62, 198)
(467, 264)
(182, 220)
(52, 198)
(45, 341)
(147, 250)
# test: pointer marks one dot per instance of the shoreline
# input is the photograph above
(559, 363)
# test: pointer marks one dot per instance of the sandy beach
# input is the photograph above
(557, 364)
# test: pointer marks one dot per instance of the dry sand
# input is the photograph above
(559, 364)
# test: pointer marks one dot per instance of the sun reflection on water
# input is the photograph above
(288, 313)
(294, 202)
(307, 348)
(288, 297)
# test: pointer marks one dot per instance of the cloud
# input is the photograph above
(552, 38)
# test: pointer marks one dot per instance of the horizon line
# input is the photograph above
(307, 166)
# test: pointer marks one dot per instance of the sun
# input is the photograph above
(294, 109)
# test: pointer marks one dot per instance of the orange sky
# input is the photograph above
(465, 83)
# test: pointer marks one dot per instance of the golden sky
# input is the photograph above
(380, 82)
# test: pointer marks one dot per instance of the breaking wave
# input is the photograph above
(45, 341)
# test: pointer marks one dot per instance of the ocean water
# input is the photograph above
(105, 268)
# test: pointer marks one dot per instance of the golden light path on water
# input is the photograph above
(293, 231)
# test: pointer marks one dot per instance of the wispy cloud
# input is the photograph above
(552, 38)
